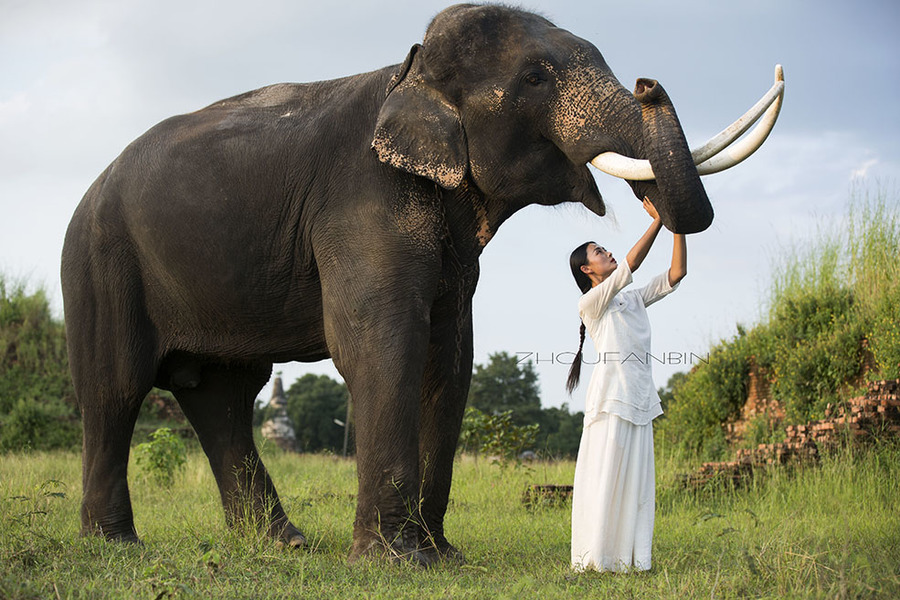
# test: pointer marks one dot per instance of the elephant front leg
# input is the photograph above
(387, 505)
(383, 371)
(444, 393)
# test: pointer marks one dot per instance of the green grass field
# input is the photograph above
(831, 531)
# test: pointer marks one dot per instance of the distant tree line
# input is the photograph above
(504, 409)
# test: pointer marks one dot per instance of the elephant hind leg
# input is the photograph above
(106, 502)
(112, 369)
(219, 405)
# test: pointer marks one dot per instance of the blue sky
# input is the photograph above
(79, 80)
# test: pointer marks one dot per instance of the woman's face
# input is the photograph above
(600, 263)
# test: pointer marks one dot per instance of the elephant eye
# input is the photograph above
(534, 79)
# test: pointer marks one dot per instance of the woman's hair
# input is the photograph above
(578, 259)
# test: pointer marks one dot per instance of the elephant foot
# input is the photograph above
(127, 537)
(440, 550)
(290, 537)
(403, 549)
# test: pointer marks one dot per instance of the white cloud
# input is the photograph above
(863, 170)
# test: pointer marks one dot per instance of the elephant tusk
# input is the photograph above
(750, 144)
(739, 127)
(707, 157)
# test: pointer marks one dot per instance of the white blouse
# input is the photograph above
(622, 381)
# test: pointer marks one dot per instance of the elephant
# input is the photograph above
(341, 219)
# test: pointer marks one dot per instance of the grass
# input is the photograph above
(832, 323)
(831, 531)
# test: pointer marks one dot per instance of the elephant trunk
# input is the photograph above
(679, 196)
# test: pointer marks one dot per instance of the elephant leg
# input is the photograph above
(444, 393)
(111, 359)
(106, 502)
(386, 415)
(219, 405)
(382, 364)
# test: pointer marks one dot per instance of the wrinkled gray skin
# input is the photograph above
(340, 219)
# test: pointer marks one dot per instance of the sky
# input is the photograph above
(81, 79)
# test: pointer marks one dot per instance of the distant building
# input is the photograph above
(278, 428)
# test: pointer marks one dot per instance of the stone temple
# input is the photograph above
(278, 427)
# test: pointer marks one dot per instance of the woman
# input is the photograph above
(613, 503)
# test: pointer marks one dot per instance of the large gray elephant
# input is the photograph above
(341, 219)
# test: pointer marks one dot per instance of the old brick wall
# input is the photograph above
(874, 415)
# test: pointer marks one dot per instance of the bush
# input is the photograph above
(36, 396)
(496, 435)
(161, 457)
(826, 298)
(39, 426)
(712, 393)
(817, 350)
(883, 334)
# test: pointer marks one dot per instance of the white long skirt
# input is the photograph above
(614, 497)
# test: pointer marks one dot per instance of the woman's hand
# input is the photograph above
(651, 210)
(637, 254)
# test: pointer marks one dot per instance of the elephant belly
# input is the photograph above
(249, 322)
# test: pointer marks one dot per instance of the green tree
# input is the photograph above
(667, 393)
(313, 403)
(560, 432)
(37, 408)
(503, 384)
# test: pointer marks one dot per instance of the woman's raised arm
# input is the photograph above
(639, 251)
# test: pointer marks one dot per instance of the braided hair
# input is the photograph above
(578, 259)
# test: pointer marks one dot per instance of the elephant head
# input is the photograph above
(520, 106)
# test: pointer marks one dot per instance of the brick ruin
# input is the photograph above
(759, 403)
(537, 496)
(863, 419)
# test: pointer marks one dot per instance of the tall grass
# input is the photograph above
(830, 531)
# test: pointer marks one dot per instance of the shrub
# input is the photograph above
(826, 298)
(161, 457)
(33, 362)
(496, 435)
(817, 337)
(712, 393)
(32, 425)
(36, 397)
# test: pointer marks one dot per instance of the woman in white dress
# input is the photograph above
(613, 503)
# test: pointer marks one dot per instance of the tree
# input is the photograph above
(506, 385)
(37, 407)
(560, 432)
(313, 404)
(667, 393)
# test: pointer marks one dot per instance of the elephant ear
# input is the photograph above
(419, 130)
